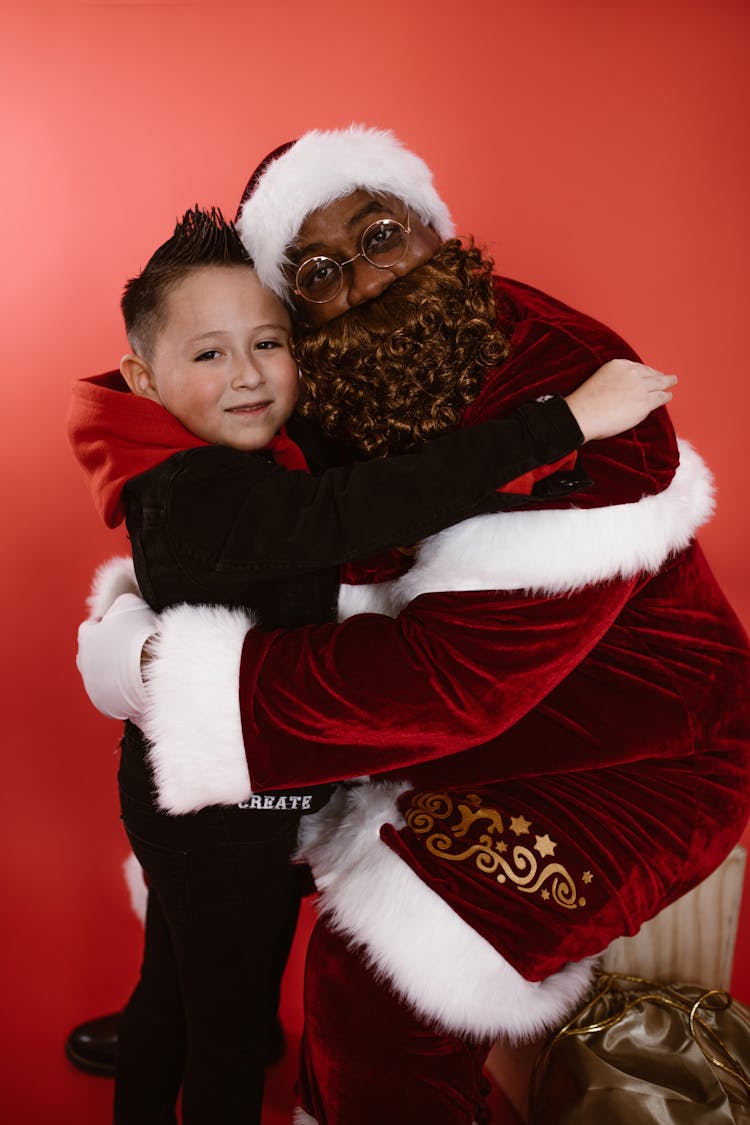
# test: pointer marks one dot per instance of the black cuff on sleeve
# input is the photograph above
(552, 426)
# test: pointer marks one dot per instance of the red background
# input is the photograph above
(597, 149)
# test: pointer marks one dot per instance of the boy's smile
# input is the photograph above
(221, 362)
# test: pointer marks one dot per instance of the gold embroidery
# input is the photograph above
(544, 846)
(469, 817)
(488, 853)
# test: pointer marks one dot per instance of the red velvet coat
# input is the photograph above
(557, 702)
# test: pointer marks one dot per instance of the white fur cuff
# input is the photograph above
(192, 717)
(112, 578)
(450, 975)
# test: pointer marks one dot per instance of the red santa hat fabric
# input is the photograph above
(322, 166)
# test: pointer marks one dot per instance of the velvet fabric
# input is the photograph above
(617, 672)
(548, 857)
(575, 655)
(614, 718)
(448, 683)
(355, 1028)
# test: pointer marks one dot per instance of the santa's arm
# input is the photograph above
(368, 695)
(452, 671)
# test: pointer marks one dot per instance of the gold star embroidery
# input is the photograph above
(520, 825)
(544, 845)
(545, 895)
(587, 876)
(501, 846)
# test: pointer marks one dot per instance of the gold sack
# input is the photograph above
(641, 1052)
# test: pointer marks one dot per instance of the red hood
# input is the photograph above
(117, 435)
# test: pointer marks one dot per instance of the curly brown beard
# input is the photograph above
(397, 370)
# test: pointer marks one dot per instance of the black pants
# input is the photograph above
(223, 905)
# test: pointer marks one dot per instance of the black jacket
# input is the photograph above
(219, 526)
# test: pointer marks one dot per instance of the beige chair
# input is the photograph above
(692, 940)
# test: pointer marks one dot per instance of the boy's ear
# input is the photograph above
(137, 374)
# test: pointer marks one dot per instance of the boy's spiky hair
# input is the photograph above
(201, 238)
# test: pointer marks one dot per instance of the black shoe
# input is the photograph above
(92, 1046)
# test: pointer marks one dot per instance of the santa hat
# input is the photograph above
(304, 175)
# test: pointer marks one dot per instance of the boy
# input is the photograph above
(194, 459)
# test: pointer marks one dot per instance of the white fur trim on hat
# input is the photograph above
(450, 975)
(551, 551)
(320, 168)
(192, 716)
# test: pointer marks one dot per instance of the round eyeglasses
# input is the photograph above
(383, 244)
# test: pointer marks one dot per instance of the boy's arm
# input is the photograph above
(454, 670)
(366, 696)
(250, 521)
(234, 518)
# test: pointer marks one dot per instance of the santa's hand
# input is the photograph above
(617, 397)
(109, 657)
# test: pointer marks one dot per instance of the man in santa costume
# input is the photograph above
(551, 704)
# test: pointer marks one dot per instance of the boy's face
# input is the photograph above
(221, 363)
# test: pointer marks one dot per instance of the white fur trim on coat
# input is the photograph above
(321, 167)
(192, 716)
(551, 551)
(112, 578)
(434, 960)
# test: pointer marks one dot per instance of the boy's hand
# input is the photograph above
(617, 397)
(109, 657)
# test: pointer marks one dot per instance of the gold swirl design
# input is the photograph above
(438, 844)
(488, 853)
(420, 822)
(470, 816)
(439, 804)
(426, 809)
